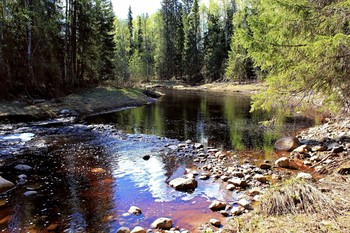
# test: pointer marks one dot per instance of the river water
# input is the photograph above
(84, 177)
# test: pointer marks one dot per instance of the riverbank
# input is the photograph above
(85, 102)
(324, 158)
(217, 87)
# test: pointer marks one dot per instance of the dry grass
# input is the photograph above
(305, 210)
(296, 196)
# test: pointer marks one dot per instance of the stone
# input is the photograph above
(254, 191)
(215, 222)
(5, 185)
(265, 166)
(52, 227)
(231, 187)
(146, 157)
(217, 205)
(319, 148)
(184, 184)
(213, 150)
(338, 149)
(287, 144)
(204, 177)
(282, 162)
(238, 174)
(244, 203)
(30, 193)
(238, 182)
(198, 146)
(23, 167)
(315, 158)
(260, 178)
(123, 230)
(138, 229)
(224, 178)
(304, 176)
(237, 210)
(173, 147)
(276, 177)
(134, 210)
(224, 213)
(162, 223)
(307, 163)
(302, 149)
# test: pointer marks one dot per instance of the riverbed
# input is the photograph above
(83, 176)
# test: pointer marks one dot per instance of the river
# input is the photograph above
(83, 177)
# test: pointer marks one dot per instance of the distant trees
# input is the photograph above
(46, 46)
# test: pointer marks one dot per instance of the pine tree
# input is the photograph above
(107, 44)
(192, 57)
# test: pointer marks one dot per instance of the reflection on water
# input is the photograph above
(85, 178)
(222, 121)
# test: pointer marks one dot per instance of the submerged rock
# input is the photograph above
(162, 223)
(184, 184)
(23, 167)
(5, 185)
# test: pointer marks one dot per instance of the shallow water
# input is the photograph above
(85, 177)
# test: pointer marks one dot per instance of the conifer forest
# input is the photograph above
(51, 47)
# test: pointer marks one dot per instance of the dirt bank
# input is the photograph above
(85, 102)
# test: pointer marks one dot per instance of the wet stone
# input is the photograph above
(30, 193)
(265, 166)
(217, 205)
(215, 222)
(23, 167)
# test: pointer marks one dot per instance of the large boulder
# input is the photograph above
(184, 184)
(287, 144)
(162, 223)
(5, 185)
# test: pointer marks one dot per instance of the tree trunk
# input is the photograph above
(29, 45)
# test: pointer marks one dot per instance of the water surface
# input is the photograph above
(85, 177)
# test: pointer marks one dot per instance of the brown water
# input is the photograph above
(86, 177)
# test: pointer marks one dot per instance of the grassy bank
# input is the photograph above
(88, 101)
(218, 87)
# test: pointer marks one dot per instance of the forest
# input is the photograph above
(51, 47)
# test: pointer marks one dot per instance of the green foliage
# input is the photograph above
(301, 46)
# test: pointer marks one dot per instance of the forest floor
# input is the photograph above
(85, 102)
